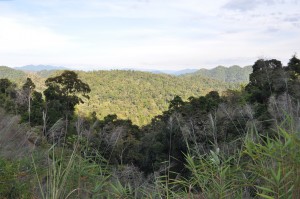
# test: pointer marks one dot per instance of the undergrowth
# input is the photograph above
(265, 166)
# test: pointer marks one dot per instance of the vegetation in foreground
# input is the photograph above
(243, 144)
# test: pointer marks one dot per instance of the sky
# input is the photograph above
(147, 34)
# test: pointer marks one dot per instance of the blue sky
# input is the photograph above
(147, 34)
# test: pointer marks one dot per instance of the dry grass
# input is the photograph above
(13, 137)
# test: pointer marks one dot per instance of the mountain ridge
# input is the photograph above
(232, 74)
(44, 69)
(40, 67)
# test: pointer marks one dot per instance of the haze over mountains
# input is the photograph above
(40, 67)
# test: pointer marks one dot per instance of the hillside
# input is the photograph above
(134, 95)
(140, 96)
(9, 73)
(233, 74)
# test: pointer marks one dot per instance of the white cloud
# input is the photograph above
(147, 33)
(18, 37)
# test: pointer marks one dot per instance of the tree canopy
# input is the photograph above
(64, 92)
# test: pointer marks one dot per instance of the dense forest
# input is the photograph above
(134, 95)
(227, 142)
(233, 74)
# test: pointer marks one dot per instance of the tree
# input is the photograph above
(213, 99)
(267, 77)
(7, 95)
(37, 107)
(176, 103)
(64, 92)
(293, 70)
(5, 84)
(294, 64)
(28, 89)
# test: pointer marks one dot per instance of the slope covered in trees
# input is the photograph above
(134, 95)
(233, 74)
(12, 74)
(139, 96)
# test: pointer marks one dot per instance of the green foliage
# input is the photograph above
(233, 74)
(275, 164)
(12, 74)
(268, 78)
(293, 69)
(36, 111)
(5, 84)
(7, 95)
(14, 182)
(62, 94)
(28, 86)
(176, 103)
(294, 65)
(30, 94)
(139, 96)
(215, 176)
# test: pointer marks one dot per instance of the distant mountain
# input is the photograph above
(233, 74)
(35, 68)
(169, 72)
(178, 72)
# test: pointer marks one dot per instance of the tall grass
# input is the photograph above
(275, 162)
(263, 166)
(69, 175)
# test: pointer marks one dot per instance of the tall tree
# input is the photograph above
(294, 64)
(176, 103)
(5, 84)
(267, 77)
(64, 92)
(293, 69)
(7, 94)
(28, 88)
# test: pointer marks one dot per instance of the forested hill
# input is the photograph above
(233, 74)
(140, 96)
(134, 95)
(19, 77)
(6, 72)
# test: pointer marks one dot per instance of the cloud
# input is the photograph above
(147, 33)
(292, 18)
(15, 36)
(248, 5)
(241, 5)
